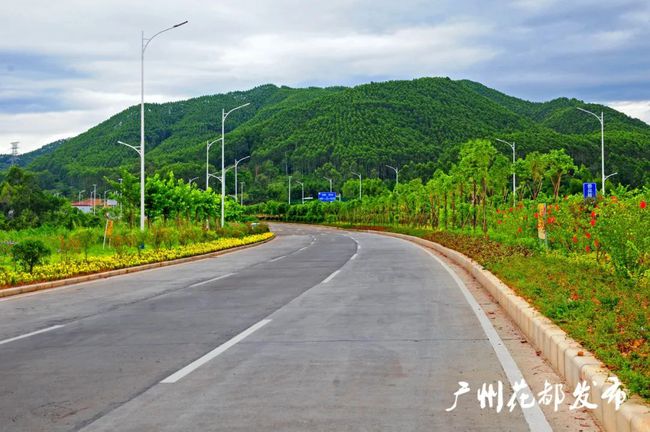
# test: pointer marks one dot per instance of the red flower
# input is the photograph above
(596, 244)
(575, 239)
(643, 204)
(593, 214)
(536, 215)
(593, 222)
(499, 222)
(510, 209)
(557, 207)
(587, 235)
(498, 211)
(587, 248)
(519, 229)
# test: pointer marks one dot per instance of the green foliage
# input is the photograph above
(30, 253)
(309, 133)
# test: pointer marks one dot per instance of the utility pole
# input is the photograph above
(289, 190)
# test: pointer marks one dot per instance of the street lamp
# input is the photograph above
(219, 177)
(514, 187)
(237, 163)
(242, 193)
(207, 160)
(330, 180)
(94, 196)
(396, 175)
(144, 45)
(225, 114)
(80, 194)
(289, 190)
(302, 186)
(601, 119)
(189, 183)
(358, 175)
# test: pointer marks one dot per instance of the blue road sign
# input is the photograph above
(589, 190)
(327, 196)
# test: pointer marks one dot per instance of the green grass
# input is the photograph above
(607, 313)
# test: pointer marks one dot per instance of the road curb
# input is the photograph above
(8, 292)
(569, 359)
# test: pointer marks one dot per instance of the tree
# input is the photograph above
(557, 163)
(30, 253)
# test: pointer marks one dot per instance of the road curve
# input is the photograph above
(318, 330)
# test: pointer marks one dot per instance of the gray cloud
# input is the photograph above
(79, 60)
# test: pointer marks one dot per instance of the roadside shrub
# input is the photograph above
(86, 239)
(30, 253)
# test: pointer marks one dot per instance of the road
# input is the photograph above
(332, 330)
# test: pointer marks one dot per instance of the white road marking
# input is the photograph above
(332, 276)
(211, 280)
(31, 334)
(278, 258)
(302, 249)
(534, 416)
(176, 376)
(353, 256)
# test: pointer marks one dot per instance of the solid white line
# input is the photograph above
(353, 256)
(302, 248)
(534, 416)
(211, 280)
(278, 258)
(332, 276)
(31, 334)
(176, 376)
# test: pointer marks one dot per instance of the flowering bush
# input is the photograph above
(77, 267)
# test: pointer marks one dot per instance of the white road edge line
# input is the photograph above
(211, 280)
(353, 256)
(534, 416)
(332, 276)
(176, 376)
(277, 258)
(31, 334)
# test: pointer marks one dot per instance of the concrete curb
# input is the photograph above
(567, 356)
(8, 292)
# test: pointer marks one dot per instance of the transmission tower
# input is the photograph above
(14, 152)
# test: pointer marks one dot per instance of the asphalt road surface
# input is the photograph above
(317, 330)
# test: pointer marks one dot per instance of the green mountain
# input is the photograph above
(315, 132)
(26, 158)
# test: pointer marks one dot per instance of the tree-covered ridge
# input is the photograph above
(417, 125)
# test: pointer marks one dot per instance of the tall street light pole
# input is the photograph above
(144, 45)
(94, 196)
(80, 194)
(601, 119)
(241, 202)
(225, 114)
(207, 161)
(358, 175)
(302, 195)
(396, 175)
(514, 184)
(289, 190)
(330, 180)
(237, 163)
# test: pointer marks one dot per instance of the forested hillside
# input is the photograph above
(309, 133)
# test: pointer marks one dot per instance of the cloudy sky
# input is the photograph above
(67, 65)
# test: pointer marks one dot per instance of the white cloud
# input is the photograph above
(544, 47)
(636, 109)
